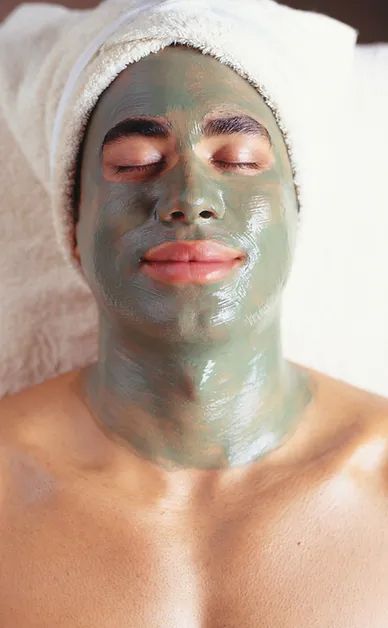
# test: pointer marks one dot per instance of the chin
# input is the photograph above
(194, 315)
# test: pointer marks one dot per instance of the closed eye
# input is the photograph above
(231, 164)
(139, 168)
(224, 164)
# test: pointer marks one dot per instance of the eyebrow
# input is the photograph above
(240, 124)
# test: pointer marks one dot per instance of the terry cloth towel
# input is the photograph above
(54, 65)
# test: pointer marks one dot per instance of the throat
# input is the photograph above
(197, 406)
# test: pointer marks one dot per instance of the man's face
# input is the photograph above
(180, 147)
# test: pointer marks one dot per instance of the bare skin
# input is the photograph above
(92, 535)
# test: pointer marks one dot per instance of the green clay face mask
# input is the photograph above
(186, 176)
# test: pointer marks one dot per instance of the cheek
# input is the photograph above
(266, 229)
(275, 232)
(269, 264)
(106, 205)
(275, 258)
(114, 210)
(255, 203)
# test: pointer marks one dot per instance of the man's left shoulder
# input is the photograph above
(370, 458)
(349, 400)
(369, 412)
(359, 420)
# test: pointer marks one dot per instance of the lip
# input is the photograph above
(195, 261)
(192, 251)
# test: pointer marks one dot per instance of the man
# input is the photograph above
(191, 476)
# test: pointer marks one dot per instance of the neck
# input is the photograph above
(196, 405)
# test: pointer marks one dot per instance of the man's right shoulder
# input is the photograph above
(15, 410)
(14, 407)
(26, 420)
(23, 409)
(20, 406)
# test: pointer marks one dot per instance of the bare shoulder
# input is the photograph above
(345, 394)
(357, 420)
(30, 423)
(32, 402)
(26, 416)
(347, 399)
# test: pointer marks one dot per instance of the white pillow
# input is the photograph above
(336, 302)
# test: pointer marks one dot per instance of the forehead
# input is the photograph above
(180, 81)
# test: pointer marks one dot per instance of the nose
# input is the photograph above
(190, 197)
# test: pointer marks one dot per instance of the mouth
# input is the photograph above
(196, 262)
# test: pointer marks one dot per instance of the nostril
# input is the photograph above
(206, 214)
(179, 215)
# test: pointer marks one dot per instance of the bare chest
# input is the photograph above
(317, 559)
